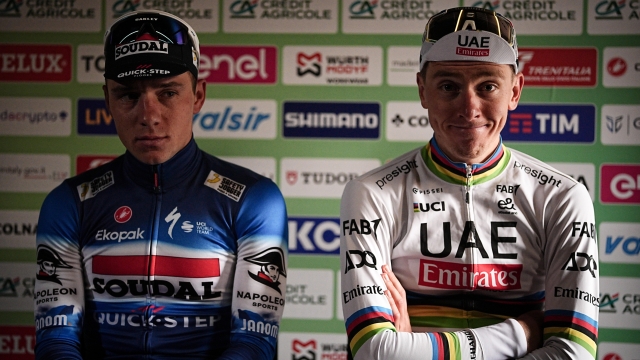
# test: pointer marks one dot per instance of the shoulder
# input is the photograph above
(392, 172)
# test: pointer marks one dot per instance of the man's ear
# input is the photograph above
(516, 91)
(200, 95)
(421, 87)
(106, 95)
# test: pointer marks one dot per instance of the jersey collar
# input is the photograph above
(456, 172)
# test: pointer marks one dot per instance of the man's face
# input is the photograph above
(468, 103)
(153, 117)
(272, 271)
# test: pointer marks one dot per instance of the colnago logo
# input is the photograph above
(141, 47)
(238, 64)
(35, 62)
(331, 120)
(575, 67)
(314, 235)
(620, 183)
(446, 275)
(551, 123)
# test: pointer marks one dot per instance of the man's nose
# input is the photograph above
(149, 110)
(469, 104)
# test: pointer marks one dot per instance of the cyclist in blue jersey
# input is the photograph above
(166, 252)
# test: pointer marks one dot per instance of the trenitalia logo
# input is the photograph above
(620, 184)
(238, 64)
(574, 67)
(551, 123)
(35, 63)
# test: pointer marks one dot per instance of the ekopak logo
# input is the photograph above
(94, 118)
(35, 63)
(331, 120)
(551, 123)
(238, 64)
(576, 67)
(319, 236)
(620, 184)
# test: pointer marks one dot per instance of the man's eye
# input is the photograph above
(448, 87)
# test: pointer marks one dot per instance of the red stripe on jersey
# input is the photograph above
(160, 266)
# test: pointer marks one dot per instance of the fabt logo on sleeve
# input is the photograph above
(239, 64)
(94, 118)
(331, 120)
(551, 123)
(35, 63)
(620, 184)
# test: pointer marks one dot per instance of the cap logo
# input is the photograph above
(473, 45)
(467, 24)
(141, 47)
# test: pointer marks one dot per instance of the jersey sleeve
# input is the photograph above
(571, 286)
(366, 243)
(59, 289)
(260, 275)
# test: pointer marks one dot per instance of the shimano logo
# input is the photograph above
(104, 235)
(331, 120)
(141, 47)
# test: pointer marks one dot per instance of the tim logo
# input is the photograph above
(363, 9)
(94, 118)
(243, 9)
(49, 262)
(272, 265)
(303, 350)
(11, 8)
(551, 123)
(309, 64)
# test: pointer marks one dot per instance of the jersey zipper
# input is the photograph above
(153, 242)
(469, 206)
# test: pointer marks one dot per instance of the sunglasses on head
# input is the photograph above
(468, 18)
(135, 28)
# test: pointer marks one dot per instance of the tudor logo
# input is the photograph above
(123, 214)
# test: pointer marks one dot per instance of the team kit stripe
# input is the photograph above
(573, 326)
(367, 322)
(444, 346)
(450, 318)
(144, 265)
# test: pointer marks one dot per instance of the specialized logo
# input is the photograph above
(446, 275)
(363, 258)
(331, 120)
(90, 189)
(172, 219)
(141, 47)
(49, 262)
(225, 186)
(579, 261)
(272, 266)
(477, 46)
(123, 214)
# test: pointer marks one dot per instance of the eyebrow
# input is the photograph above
(446, 73)
(119, 87)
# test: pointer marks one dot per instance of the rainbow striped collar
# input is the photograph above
(456, 172)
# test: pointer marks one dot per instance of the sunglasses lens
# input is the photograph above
(453, 20)
(163, 29)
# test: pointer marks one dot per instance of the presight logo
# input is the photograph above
(363, 9)
(35, 63)
(94, 118)
(243, 9)
(309, 64)
(551, 123)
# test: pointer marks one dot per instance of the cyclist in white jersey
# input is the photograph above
(485, 252)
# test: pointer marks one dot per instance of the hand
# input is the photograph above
(397, 299)
(532, 323)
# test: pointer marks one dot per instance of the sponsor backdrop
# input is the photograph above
(313, 93)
